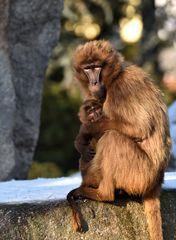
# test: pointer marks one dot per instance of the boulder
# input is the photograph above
(124, 220)
(29, 30)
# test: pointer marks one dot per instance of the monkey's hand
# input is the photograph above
(96, 116)
(98, 128)
(83, 139)
(88, 154)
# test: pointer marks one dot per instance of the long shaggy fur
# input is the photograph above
(121, 161)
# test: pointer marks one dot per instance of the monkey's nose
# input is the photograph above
(94, 82)
(93, 75)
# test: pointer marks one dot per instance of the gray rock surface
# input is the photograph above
(123, 220)
(28, 32)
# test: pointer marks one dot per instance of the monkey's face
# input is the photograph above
(96, 63)
(95, 84)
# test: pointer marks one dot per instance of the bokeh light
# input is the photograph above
(131, 29)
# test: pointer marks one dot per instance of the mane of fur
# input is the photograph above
(97, 51)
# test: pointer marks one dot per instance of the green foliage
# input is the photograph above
(44, 170)
(59, 127)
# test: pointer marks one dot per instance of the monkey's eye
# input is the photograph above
(89, 109)
(93, 65)
(87, 68)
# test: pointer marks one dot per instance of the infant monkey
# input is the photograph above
(90, 112)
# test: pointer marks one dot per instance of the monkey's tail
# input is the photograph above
(76, 215)
(153, 215)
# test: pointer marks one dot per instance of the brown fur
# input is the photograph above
(120, 162)
(94, 125)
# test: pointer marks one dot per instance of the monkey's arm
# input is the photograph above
(137, 131)
(97, 129)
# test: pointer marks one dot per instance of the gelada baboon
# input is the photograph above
(134, 156)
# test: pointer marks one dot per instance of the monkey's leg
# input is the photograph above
(137, 173)
(96, 194)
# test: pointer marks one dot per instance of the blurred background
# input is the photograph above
(143, 31)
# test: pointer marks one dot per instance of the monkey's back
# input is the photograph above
(133, 166)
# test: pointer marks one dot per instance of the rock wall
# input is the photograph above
(124, 220)
(28, 32)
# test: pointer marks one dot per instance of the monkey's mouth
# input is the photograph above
(98, 91)
(94, 87)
